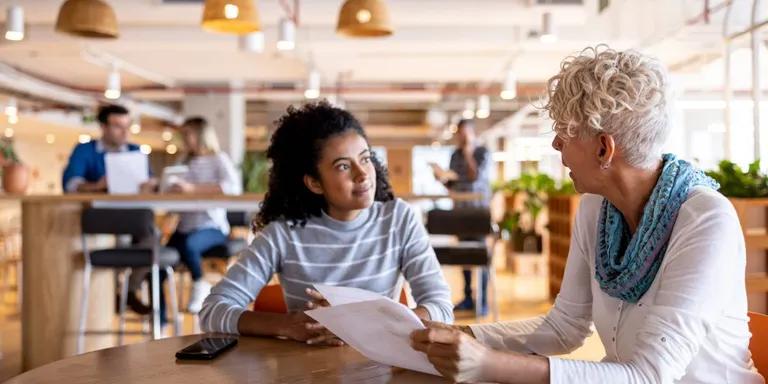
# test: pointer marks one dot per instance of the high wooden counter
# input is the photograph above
(52, 279)
(52, 259)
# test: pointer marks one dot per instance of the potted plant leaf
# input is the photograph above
(15, 174)
(255, 172)
(521, 225)
(734, 182)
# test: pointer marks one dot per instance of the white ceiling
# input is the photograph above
(435, 42)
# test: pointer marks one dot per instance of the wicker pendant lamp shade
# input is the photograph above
(87, 18)
(237, 17)
(364, 18)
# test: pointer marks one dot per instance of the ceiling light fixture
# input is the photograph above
(547, 29)
(237, 17)
(87, 18)
(14, 23)
(313, 85)
(483, 107)
(509, 90)
(11, 108)
(469, 109)
(364, 18)
(286, 40)
(113, 89)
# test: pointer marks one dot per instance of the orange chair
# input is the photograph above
(758, 345)
(271, 299)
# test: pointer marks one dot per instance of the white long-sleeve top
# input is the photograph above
(214, 168)
(691, 326)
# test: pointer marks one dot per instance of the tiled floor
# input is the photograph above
(520, 296)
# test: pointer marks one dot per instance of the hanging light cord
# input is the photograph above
(291, 12)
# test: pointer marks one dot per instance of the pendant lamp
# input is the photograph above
(364, 18)
(237, 17)
(87, 18)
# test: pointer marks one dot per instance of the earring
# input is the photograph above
(605, 165)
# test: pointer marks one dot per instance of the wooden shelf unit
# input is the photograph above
(756, 241)
(562, 213)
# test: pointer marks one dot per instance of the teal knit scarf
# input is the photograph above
(626, 264)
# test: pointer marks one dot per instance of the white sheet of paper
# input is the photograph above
(379, 329)
(346, 295)
(126, 171)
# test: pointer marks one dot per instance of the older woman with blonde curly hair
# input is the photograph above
(656, 262)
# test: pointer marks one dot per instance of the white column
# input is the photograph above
(225, 111)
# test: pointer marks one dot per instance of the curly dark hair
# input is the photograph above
(295, 150)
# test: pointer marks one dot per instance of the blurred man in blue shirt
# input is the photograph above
(86, 171)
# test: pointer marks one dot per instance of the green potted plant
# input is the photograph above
(734, 182)
(255, 172)
(15, 174)
(535, 187)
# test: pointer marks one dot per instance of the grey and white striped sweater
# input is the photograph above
(385, 243)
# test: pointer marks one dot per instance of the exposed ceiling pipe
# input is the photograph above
(22, 83)
(108, 60)
(467, 90)
(16, 81)
(508, 125)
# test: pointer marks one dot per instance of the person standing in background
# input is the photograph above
(470, 169)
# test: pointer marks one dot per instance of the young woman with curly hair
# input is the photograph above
(328, 217)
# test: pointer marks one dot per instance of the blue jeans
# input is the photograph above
(192, 245)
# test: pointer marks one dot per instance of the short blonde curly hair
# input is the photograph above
(623, 94)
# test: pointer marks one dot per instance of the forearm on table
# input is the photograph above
(505, 367)
(262, 324)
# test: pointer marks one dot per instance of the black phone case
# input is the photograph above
(181, 355)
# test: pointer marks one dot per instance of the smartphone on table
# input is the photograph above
(207, 348)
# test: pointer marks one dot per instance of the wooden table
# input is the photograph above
(253, 360)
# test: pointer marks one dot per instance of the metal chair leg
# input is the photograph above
(495, 293)
(182, 287)
(155, 290)
(123, 304)
(479, 292)
(174, 300)
(84, 307)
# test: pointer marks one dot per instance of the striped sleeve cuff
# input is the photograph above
(231, 318)
(436, 313)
